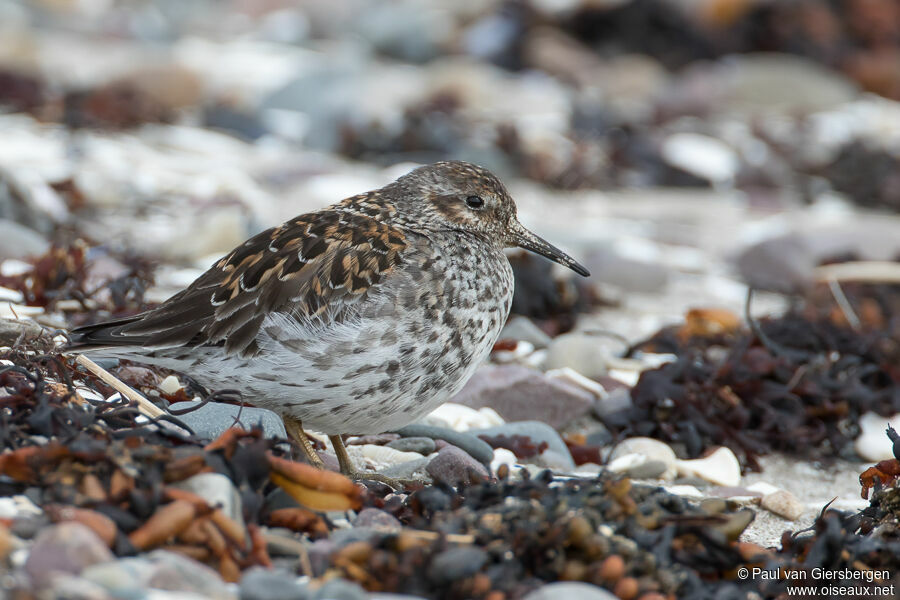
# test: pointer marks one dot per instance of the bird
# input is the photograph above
(357, 318)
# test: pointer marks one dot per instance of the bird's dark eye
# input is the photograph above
(474, 202)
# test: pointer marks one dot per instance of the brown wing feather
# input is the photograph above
(315, 265)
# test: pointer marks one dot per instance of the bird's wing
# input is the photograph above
(314, 267)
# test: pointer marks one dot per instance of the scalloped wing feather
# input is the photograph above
(316, 266)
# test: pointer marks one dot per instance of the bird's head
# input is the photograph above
(461, 196)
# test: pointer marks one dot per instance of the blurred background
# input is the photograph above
(681, 148)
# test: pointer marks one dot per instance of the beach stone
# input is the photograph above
(217, 490)
(12, 329)
(721, 468)
(64, 548)
(261, 584)
(453, 466)
(340, 589)
(422, 445)
(213, 419)
(616, 400)
(570, 590)
(414, 469)
(784, 504)
(538, 432)
(586, 354)
(651, 450)
(872, 444)
(477, 448)
(523, 329)
(18, 241)
(609, 266)
(456, 563)
(377, 519)
(521, 394)
(160, 569)
(784, 264)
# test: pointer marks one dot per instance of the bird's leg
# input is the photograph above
(294, 429)
(350, 471)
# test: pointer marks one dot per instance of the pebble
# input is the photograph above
(721, 468)
(462, 418)
(379, 457)
(523, 329)
(477, 448)
(502, 456)
(421, 445)
(170, 385)
(521, 394)
(570, 590)
(586, 354)
(608, 265)
(64, 548)
(784, 504)
(535, 430)
(377, 519)
(217, 490)
(18, 241)
(645, 469)
(456, 563)
(783, 263)
(648, 448)
(340, 589)
(762, 488)
(160, 569)
(414, 469)
(872, 444)
(262, 584)
(453, 467)
(213, 419)
(554, 461)
(701, 155)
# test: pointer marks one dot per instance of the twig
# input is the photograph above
(145, 406)
(844, 304)
(866, 271)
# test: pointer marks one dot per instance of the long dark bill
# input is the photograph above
(529, 241)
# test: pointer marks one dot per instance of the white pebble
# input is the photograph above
(502, 456)
(873, 444)
(623, 463)
(170, 385)
(684, 490)
(721, 467)
(463, 418)
(383, 456)
(650, 449)
(572, 376)
(784, 504)
(763, 488)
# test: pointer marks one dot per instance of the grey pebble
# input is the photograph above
(213, 419)
(422, 445)
(453, 467)
(538, 432)
(412, 469)
(262, 584)
(379, 519)
(570, 590)
(67, 547)
(456, 563)
(340, 589)
(477, 448)
(651, 469)
(522, 329)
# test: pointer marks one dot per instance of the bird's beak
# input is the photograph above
(523, 238)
